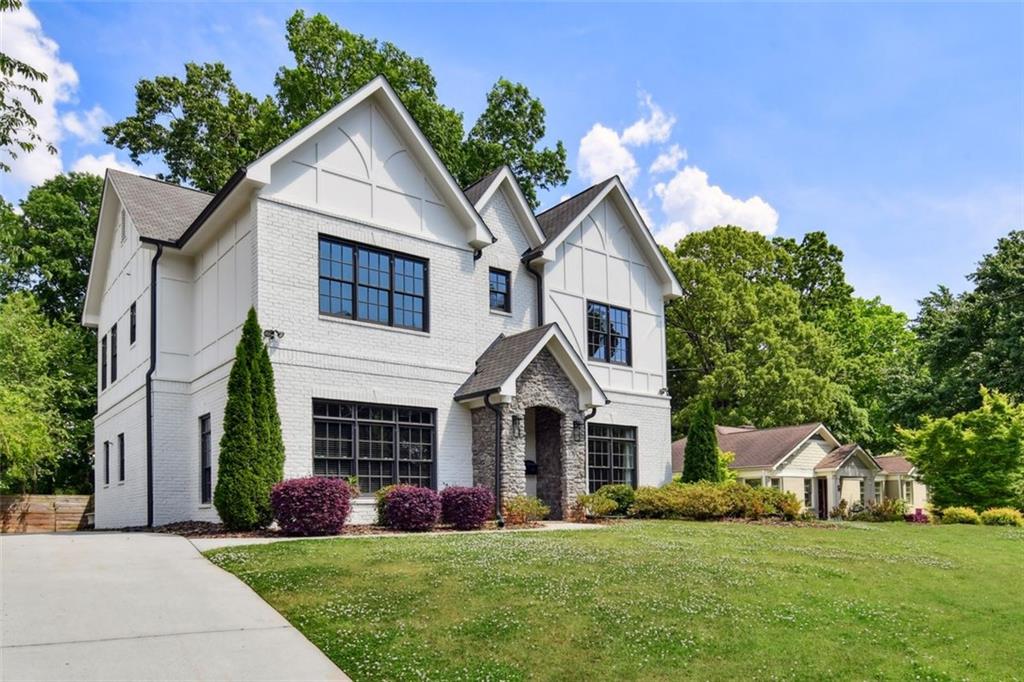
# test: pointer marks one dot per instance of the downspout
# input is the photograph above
(497, 457)
(149, 385)
(526, 260)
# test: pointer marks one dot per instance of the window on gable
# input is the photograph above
(611, 455)
(373, 285)
(500, 291)
(131, 324)
(608, 334)
(103, 362)
(113, 354)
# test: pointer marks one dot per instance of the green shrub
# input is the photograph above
(523, 509)
(655, 503)
(702, 501)
(594, 506)
(1002, 516)
(960, 515)
(620, 493)
(841, 511)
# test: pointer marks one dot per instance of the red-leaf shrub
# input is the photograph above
(311, 506)
(412, 508)
(466, 508)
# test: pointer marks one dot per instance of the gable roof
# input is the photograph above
(754, 448)
(504, 360)
(559, 221)
(895, 464)
(481, 191)
(159, 210)
(838, 457)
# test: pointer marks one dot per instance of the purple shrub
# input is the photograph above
(311, 506)
(466, 508)
(412, 508)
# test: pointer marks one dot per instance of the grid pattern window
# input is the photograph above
(500, 291)
(807, 492)
(103, 362)
(908, 491)
(113, 354)
(205, 460)
(860, 490)
(106, 462)
(373, 285)
(131, 324)
(379, 444)
(878, 492)
(120, 457)
(611, 455)
(608, 334)
(776, 483)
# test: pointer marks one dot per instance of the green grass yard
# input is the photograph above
(657, 601)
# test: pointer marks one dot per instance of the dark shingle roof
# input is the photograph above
(752, 447)
(895, 464)
(497, 363)
(159, 210)
(477, 189)
(836, 457)
(558, 217)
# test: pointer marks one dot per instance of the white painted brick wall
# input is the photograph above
(119, 504)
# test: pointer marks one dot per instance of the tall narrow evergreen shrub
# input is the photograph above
(700, 462)
(251, 457)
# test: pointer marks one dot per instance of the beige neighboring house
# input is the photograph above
(808, 461)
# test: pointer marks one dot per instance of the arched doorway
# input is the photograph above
(544, 436)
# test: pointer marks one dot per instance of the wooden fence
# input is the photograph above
(43, 513)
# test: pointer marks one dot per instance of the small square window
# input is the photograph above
(500, 290)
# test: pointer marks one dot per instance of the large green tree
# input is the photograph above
(45, 250)
(973, 459)
(17, 124)
(203, 127)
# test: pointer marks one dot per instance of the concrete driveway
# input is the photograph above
(138, 606)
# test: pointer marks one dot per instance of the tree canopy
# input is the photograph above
(203, 127)
(17, 124)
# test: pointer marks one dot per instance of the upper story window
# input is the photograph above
(500, 291)
(608, 334)
(103, 362)
(131, 324)
(373, 285)
(113, 353)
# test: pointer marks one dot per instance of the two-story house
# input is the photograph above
(419, 332)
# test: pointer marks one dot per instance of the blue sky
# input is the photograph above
(897, 129)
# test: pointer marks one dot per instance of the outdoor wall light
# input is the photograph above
(272, 334)
(577, 430)
(517, 426)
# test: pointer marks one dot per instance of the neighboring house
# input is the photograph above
(809, 462)
(419, 332)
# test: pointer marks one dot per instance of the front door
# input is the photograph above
(823, 499)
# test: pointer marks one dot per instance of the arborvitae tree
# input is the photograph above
(701, 459)
(251, 451)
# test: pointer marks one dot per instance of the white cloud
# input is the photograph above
(655, 128)
(668, 161)
(24, 39)
(602, 155)
(691, 203)
(98, 165)
(87, 125)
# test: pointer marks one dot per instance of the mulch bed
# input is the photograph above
(206, 529)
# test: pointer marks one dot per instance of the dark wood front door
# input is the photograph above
(823, 498)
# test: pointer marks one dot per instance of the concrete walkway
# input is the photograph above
(206, 544)
(138, 606)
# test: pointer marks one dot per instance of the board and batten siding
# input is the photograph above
(600, 261)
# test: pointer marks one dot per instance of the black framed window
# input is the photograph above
(608, 334)
(120, 457)
(611, 455)
(500, 291)
(113, 354)
(106, 462)
(373, 285)
(103, 362)
(131, 324)
(380, 444)
(205, 460)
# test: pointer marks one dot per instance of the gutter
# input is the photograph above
(149, 384)
(497, 457)
(526, 260)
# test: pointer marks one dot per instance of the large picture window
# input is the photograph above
(373, 285)
(608, 334)
(379, 444)
(611, 455)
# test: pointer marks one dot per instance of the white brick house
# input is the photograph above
(384, 291)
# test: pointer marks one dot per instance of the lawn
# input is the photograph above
(657, 601)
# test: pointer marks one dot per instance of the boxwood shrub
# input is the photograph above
(311, 506)
(960, 515)
(466, 508)
(704, 501)
(620, 493)
(412, 508)
(1002, 516)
